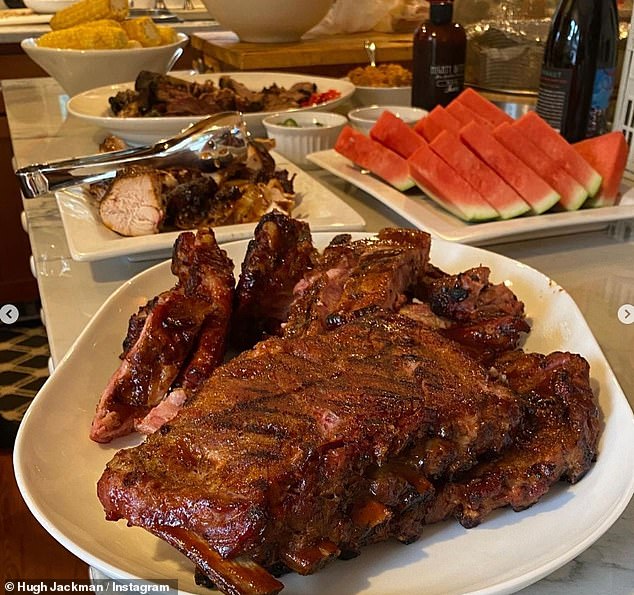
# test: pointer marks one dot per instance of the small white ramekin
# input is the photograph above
(315, 131)
(363, 118)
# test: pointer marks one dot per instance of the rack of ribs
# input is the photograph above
(172, 342)
(394, 396)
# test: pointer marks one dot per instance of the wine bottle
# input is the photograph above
(439, 51)
(579, 56)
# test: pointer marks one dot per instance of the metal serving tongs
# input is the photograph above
(207, 145)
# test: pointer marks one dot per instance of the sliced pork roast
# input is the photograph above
(180, 334)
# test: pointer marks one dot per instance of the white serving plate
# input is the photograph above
(425, 214)
(92, 106)
(57, 466)
(89, 239)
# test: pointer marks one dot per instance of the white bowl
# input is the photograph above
(81, 70)
(363, 118)
(268, 21)
(365, 96)
(47, 6)
(315, 131)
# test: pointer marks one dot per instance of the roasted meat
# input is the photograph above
(557, 440)
(133, 204)
(353, 276)
(280, 457)
(277, 258)
(180, 334)
(165, 95)
(392, 396)
(143, 201)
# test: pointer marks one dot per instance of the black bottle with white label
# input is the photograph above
(439, 51)
(578, 70)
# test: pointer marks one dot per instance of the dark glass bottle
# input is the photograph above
(439, 51)
(579, 63)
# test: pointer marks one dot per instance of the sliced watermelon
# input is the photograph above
(446, 187)
(487, 182)
(464, 114)
(608, 155)
(572, 193)
(531, 187)
(374, 157)
(483, 107)
(559, 149)
(395, 134)
(437, 120)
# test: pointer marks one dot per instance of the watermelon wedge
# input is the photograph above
(373, 156)
(487, 182)
(608, 155)
(572, 193)
(437, 120)
(395, 134)
(531, 187)
(464, 114)
(446, 187)
(483, 107)
(559, 149)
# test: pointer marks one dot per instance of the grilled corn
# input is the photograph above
(89, 10)
(167, 33)
(143, 30)
(84, 37)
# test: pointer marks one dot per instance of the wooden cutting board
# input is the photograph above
(334, 55)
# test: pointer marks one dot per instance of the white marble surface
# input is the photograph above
(594, 267)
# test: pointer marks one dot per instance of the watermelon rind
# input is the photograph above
(483, 178)
(373, 156)
(445, 186)
(573, 194)
(540, 195)
(558, 148)
(608, 154)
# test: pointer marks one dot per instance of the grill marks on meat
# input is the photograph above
(354, 276)
(557, 440)
(369, 417)
(281, 454)
(276, 259)
(180, 334)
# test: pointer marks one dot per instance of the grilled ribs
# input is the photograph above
(353, 276)
(278, 457)
(278, 256)
(393, 397)
(557, 440)
(180, 334)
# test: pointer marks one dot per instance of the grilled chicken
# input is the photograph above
(134, 205)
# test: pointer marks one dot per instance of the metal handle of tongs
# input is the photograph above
(207, 145)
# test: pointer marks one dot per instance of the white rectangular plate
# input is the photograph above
(57, 466)
(88, 239)
(425, 214)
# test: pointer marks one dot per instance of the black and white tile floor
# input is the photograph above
(24, 355)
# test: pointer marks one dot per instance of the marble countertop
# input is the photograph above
(595, 267)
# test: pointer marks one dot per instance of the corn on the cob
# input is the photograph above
(102, 37)
(167, 33)
(89, 10)
(143, 30)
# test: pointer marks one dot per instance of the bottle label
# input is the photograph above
(552, 98)
(448, 79)
(601, 94)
